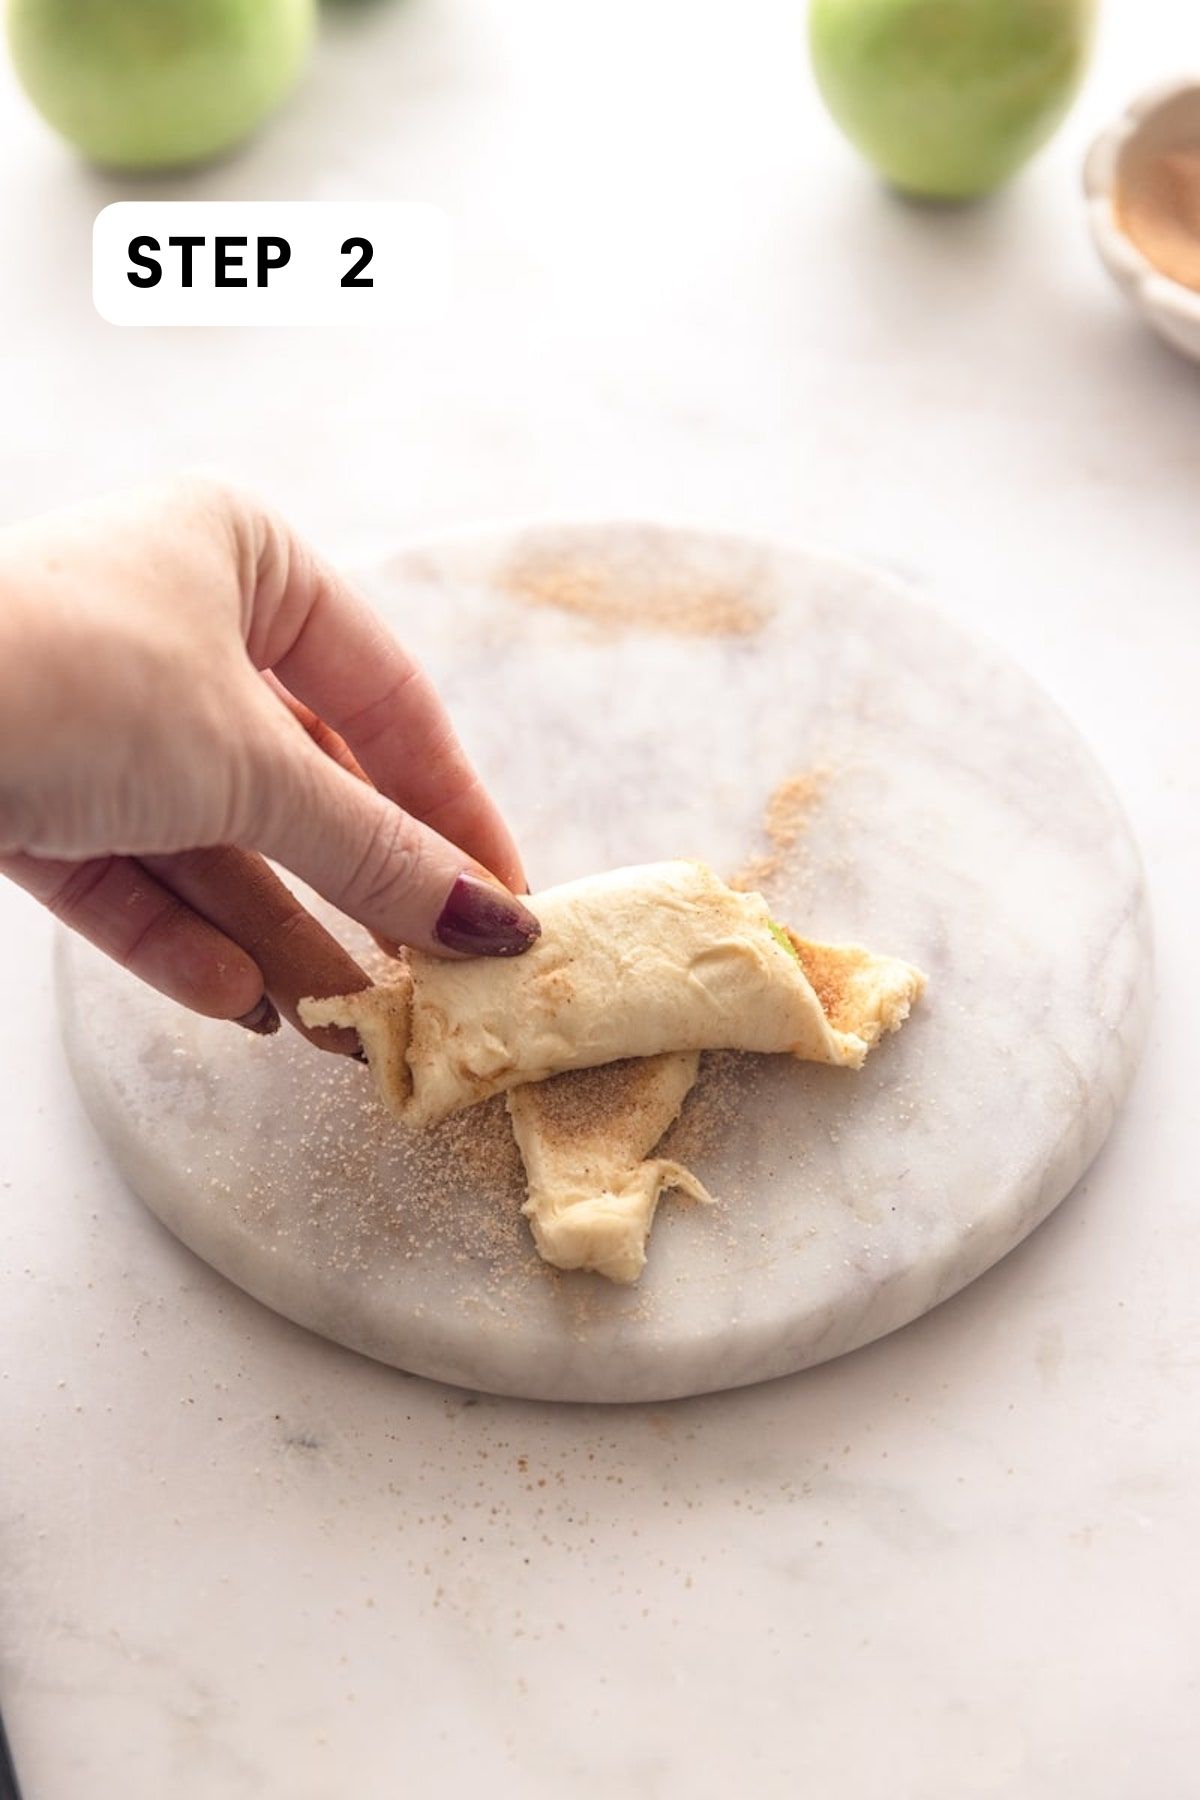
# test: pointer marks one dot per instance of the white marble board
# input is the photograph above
(958, 821)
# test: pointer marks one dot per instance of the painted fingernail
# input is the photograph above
(262, 1019)
(481, 919)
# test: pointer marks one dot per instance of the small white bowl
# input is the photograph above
(1166, 117)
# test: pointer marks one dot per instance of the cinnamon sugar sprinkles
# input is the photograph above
(785, 819)
(582, 1099)
(380, 1196)
(629, 595)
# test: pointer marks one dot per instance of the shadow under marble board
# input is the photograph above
(631, 693)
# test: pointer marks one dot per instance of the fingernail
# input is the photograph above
(262, 1019)
(481, 919)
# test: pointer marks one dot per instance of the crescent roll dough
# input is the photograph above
(584, 1138)
(635, 963)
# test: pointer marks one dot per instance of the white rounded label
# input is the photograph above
(270, 262)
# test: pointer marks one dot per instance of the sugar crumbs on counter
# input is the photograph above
(785, 819)
(630, 596)
(378, 1194)
(711, 1111)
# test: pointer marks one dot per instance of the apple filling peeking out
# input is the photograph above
(656, 963)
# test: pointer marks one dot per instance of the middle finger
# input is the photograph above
(240, 894)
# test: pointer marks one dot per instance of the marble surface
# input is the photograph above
(240, 1563)
(955, 820)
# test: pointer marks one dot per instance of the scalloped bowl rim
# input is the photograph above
(1130, 267)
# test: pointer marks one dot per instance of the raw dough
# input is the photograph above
(583, 1136)
(634, 963)
(596, 1032)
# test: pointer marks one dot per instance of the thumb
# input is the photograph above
(375, 862)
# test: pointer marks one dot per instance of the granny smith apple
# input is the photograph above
(949, 97)
(141, 84)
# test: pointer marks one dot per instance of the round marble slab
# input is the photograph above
(634, 692)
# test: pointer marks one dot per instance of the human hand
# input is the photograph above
(186, 688)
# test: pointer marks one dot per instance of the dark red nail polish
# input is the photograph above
(481, 919)
(262, 1019)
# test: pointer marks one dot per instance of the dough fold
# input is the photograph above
(583, 1137)
(636, 963)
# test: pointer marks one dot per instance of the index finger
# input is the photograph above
(328, 648)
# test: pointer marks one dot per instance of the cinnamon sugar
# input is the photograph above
(785, 819)
(711, 1110)
(378, 1193)
(624, 598)
(827, 975)
(576, 1103)
(1157, 206)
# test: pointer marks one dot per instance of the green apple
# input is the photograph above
(152, 84)
(949, 97)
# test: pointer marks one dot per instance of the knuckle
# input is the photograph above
(444, 757)
(388, 866)
(268, 785)
(371, 720)
(70, 900)
(196, 491)
(242, 769)
(236, 807)
(460, 791)
(163, 926)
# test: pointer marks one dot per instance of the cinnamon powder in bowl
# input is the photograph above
(1142, 182)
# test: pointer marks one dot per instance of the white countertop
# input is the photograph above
(237, 1561)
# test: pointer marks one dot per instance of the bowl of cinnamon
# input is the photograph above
(1142, 183)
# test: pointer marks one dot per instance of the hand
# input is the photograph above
(184, 683)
